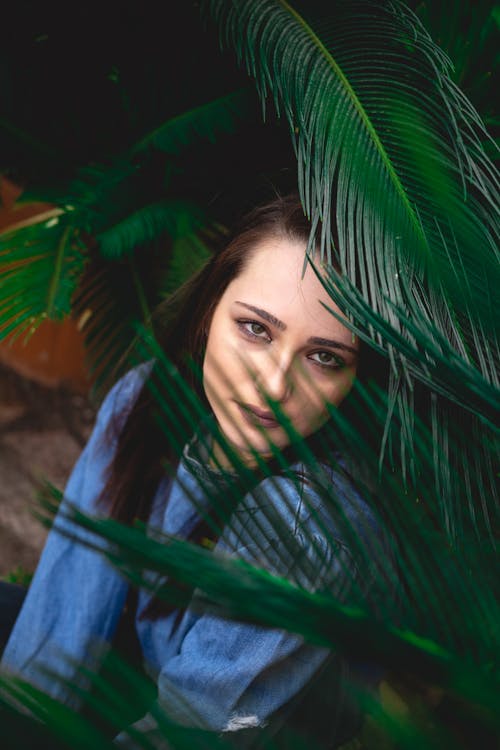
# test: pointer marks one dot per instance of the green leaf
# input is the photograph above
(40, 267)
(207, 121)
(173, 218)
(391, 166)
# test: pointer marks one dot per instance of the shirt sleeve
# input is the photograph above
(75, 598)
(228, 675)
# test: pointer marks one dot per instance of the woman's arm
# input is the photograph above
(76, 597)
(229, 676)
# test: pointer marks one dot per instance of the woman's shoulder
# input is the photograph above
(318, 521)
(308, 503)
(121, 397)
(323, 492)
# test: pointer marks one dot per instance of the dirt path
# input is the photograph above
(42, 432)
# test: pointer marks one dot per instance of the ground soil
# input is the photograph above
(42, 431)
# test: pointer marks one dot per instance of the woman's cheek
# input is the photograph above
(329, 390)
(212, 378)
(343, 387)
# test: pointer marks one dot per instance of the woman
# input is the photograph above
(259, 329)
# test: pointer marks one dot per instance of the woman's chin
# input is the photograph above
(251, 445)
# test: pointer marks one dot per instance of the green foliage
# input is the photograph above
(39, 271)
(415, 234)
(442, 640)
(145, 226)
(468, 31)
(391, 165)
(19, 575)
(109, 254)
(208, 121)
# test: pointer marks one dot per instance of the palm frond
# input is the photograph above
(173, 218)
(467, 32)
(414, 517)
(367, 121)
(390, 162)
(207, 121)
(40, 267)
(43, 720)
(189, 253)
(118, 291)
(441, 633)
(109, 206)
(234, 589)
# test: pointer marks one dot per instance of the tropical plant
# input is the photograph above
(391, 163)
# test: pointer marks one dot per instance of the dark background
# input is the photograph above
(80, 83)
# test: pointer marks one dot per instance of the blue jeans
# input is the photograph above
(11, 599)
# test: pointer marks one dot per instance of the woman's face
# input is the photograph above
(271, 336)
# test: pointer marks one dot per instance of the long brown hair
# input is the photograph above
(182, 323)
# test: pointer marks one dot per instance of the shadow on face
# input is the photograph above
(272, 338)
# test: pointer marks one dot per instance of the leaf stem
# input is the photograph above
(364, 117)
(56, 276)
(141, 295)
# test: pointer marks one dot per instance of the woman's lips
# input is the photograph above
(256, 416)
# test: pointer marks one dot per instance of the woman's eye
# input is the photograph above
(254, 329)
(327, 359)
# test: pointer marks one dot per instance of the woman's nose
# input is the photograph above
(275, 382)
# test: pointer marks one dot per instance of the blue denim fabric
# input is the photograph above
(210, 672)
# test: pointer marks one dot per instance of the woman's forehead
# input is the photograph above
(278, 260)
(274, 278)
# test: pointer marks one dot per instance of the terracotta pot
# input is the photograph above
(54, 354)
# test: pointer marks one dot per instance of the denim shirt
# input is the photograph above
(213, 673)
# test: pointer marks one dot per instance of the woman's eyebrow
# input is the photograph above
(314, 340)
(264, 314)
(332, 344)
